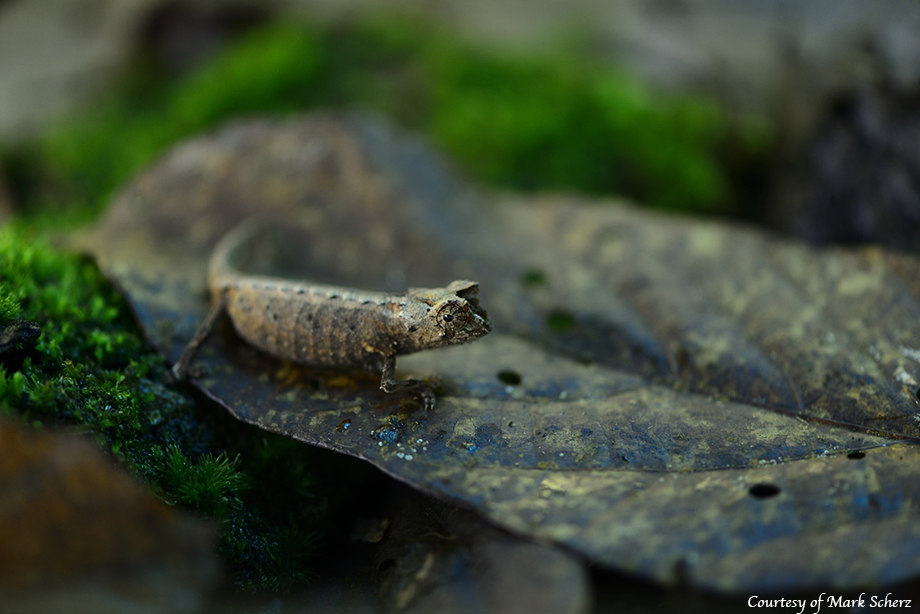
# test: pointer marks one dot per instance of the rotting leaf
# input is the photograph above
(684, 394)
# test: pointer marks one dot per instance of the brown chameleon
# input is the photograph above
(332, 326)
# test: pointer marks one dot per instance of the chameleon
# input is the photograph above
(332, 326)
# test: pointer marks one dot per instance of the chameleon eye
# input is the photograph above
(453, 315)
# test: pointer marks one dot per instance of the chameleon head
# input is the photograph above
(458, 322)
(455, 315)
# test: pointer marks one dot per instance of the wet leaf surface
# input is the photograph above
(80, 535)
(683, 400)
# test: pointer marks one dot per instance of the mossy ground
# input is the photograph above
(91, 367)
(526, 123)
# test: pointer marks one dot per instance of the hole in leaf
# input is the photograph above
(560, 320)
(533, 278)
(856, 455)
(764, 491)
(509, 377)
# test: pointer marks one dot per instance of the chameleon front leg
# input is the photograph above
(389, 383)
(180, 369)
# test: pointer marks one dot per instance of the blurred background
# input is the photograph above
(799, 116)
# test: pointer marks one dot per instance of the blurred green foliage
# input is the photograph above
(91, 367)
(550, 122)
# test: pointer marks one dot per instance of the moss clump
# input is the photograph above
(9, 309)
(212, 485)
(539, 123)
(531, 123)
(91, 367)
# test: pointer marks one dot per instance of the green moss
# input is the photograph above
(553, 123)
(91, 367)
(9, 309)
(211, 485)
(12, 387)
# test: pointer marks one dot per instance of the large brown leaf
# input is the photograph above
(673, 398)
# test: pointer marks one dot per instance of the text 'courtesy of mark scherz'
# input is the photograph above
(826, 601)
